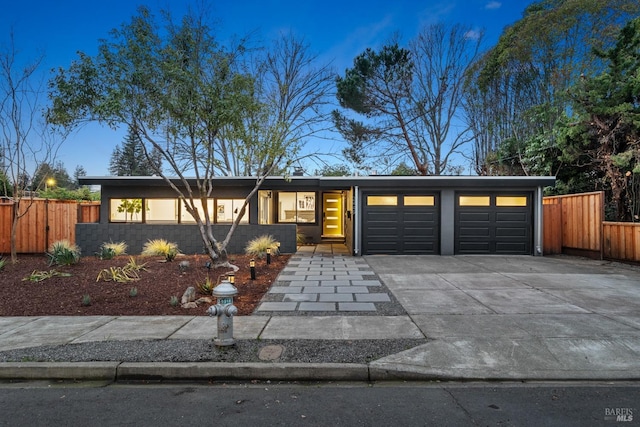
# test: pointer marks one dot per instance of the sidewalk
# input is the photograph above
(488, 318)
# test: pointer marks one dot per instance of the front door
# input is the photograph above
(332, 215)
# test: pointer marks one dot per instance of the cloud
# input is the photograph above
(493, 5)
(472, 35)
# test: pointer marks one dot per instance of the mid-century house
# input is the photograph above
(444, 215)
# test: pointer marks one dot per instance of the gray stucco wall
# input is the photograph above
(89, 237)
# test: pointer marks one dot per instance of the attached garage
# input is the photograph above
(499, 223)
(400, 223)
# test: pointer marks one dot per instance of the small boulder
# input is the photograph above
(204, 300)
(189, 295)
(190, 305)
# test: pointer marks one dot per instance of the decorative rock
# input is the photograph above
(189, 295)
(204, 300)
(190, 305)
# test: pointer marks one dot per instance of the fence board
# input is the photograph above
(552, 236)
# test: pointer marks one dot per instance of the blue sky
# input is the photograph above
(336, 31)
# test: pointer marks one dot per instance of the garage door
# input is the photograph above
(400, 224)
(493, 224)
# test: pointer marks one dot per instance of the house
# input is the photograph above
(444, 215)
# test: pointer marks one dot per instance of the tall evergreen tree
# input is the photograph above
(131, 159)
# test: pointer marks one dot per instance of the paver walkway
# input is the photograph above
(325, 278)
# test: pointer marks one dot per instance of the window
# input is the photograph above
(511, 200)
(419, 200)
(264, 207)
(298, 207)
(227, 210)
(382, 200)
(187, 218)
(475, 201)
(161, 210)
(125, 210)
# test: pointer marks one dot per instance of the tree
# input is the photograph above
(130, 160)
(334, 170)
(403, 170)
(604, 132)
(26, 140)
(291, 91)
(409, 97)
(48, 176)
(517, 92)
(77, 174)
(184, 94)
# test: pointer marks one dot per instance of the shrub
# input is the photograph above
(173, 302)
(63, 252)
(258, 247)
(133, 292)
(39, 276)
(161, 247)
(111, 249)
(3, 262)
(86, 300)
(206, 287)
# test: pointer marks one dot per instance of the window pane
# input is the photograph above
(264, 207)
(228, 209)
(475, 201)
(161, 210)
(419, 200)
(287, 207)
(187, 218)
(306, 207)
(511, 201)
(125, 210)
(382, 200)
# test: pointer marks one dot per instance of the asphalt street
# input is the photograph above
(319, 404)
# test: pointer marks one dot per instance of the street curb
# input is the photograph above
(244, 371)
(156, 371)
(59, 370)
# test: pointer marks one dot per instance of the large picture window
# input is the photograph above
(161, 210)
(125, 210)
(298, 207)
(187, 218)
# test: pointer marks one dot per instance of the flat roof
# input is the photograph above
(377, 181)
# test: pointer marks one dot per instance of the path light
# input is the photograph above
(232, 278)
(224, 310)
(268, 255)
(252, 267)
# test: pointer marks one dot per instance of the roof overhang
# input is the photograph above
(379, 181)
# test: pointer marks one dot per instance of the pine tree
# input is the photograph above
(130, 160)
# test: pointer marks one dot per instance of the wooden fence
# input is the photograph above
(621, 240)
(44, 222)
(574, 224)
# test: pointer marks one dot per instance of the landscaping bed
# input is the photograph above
(81, 293)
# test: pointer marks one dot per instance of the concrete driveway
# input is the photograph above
(517, 317)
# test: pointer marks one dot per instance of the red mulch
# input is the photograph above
(155, 287)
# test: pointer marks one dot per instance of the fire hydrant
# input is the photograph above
(224, 310)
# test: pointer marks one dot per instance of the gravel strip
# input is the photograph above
(295, 351)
